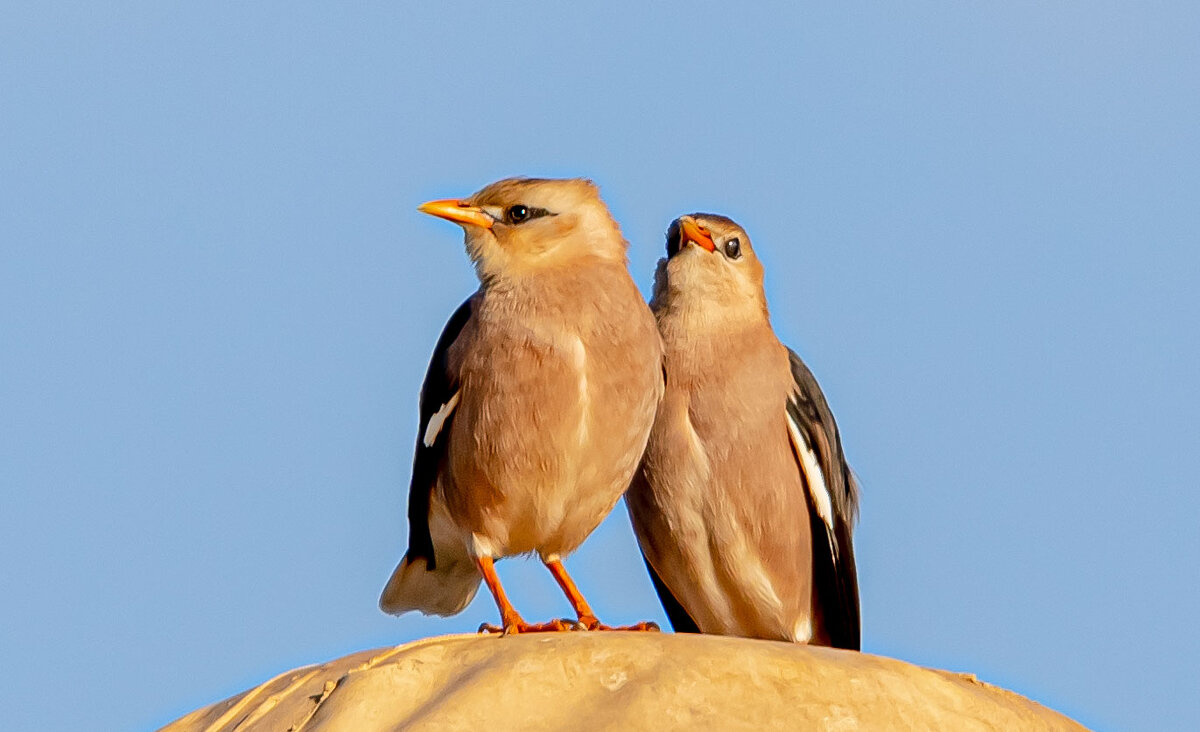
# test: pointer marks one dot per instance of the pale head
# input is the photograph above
(521, 226)
(711, 272)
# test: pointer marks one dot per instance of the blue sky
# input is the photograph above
(217, 301)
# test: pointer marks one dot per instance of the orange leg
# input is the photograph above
(587, 619)
(511, 621)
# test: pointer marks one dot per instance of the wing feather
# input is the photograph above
(833, 506)
(439, 397)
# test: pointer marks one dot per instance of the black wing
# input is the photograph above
(439, 397)
(833, 507)
(681, 622)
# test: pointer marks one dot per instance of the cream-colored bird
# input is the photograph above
(744, 503)
(538, 401)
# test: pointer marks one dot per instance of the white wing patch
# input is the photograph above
(802, 632)
(438, 420)
(814, 478)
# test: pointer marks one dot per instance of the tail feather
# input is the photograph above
(443, 591)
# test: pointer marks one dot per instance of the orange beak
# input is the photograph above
(460, 212)
(692, 233)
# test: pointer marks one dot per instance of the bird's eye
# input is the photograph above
(733, 248)
(517, 214)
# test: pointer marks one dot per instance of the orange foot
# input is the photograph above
(590, 622)
(517, 626)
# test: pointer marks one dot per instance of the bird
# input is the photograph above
(537, 403)
(744, 504)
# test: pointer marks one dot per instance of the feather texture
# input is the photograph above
(439, 389)
(833, 502)
(744, 504)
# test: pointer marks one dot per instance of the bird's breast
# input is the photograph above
(557, 372)
(553, 419)
(719, 475)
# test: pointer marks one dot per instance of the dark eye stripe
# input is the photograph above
(520, 213)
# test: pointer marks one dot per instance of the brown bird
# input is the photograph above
(538, 400)
(744, 503)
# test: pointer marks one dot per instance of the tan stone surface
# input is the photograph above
(618, 681)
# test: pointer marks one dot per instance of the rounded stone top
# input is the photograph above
(619, 681)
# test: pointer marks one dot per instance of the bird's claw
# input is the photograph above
(586, 624)
(520, 626)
